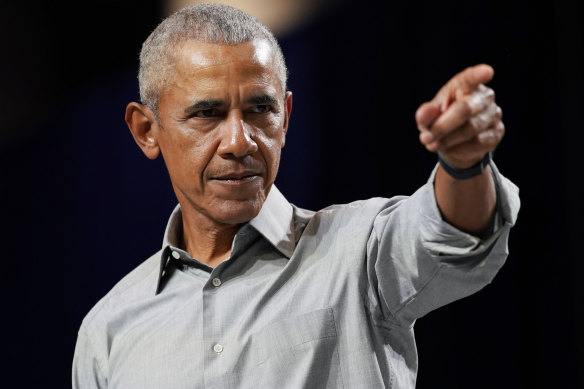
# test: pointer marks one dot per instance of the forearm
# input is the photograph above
(468, 204)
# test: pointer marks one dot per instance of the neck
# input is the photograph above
(208, 245)
(205, 239)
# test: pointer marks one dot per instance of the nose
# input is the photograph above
(236, 141)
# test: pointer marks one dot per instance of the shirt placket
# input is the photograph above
(219, 352)
(213, 331)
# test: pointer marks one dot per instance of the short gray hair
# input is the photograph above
(209, 23)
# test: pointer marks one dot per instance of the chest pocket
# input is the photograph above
(299, 352)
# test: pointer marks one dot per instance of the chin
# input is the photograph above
(238, 212)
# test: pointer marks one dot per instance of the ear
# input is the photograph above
(143, 126)
(287, 111)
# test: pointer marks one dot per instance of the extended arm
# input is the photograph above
(463, 123)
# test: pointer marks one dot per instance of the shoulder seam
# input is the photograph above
(99, 306)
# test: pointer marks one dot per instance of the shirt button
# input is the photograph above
(218, 348)
(216, 282)
(175, 254)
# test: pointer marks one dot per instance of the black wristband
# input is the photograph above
(464, 174)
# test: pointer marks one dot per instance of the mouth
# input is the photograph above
(236, 178)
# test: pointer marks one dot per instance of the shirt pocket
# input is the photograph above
(299, 352)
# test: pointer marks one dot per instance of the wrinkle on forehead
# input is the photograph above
(213, 64)
(203, 54)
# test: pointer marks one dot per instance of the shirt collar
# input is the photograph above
(172, 234)
(275, 223)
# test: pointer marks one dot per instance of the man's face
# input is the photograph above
(223, 121)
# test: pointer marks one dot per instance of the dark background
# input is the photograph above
(81, 206)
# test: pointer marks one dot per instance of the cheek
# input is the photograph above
(271, 152)
(270, 130)
(187, 156)
(271, 143)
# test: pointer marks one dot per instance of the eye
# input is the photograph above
(261, 108)
(206, 113)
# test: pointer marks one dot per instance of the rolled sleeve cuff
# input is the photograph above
(445, 242)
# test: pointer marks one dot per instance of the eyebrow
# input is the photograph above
(262, 99)
(209, 104)
(204, 104)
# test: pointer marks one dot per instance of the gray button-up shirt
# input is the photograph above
(306, 300)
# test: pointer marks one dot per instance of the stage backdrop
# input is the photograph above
(81, 205)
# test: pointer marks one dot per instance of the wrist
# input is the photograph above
(464, 173)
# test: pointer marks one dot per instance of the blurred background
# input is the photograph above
(82, 206)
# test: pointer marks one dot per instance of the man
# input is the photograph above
(249, 291)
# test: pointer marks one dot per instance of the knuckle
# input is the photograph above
(478, 122)
(475, 102)
(479, 126)
(487, 138)
(482, 138)
(466, 108)
(490, 93)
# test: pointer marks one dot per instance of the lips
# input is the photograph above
(237, 179)
(243, 172)
(236, 176)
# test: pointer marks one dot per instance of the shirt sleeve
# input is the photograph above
(87, 372)
(417, 262)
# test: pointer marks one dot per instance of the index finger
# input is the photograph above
(470, 78)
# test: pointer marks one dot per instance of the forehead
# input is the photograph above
(198, 61)
(258, 51)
